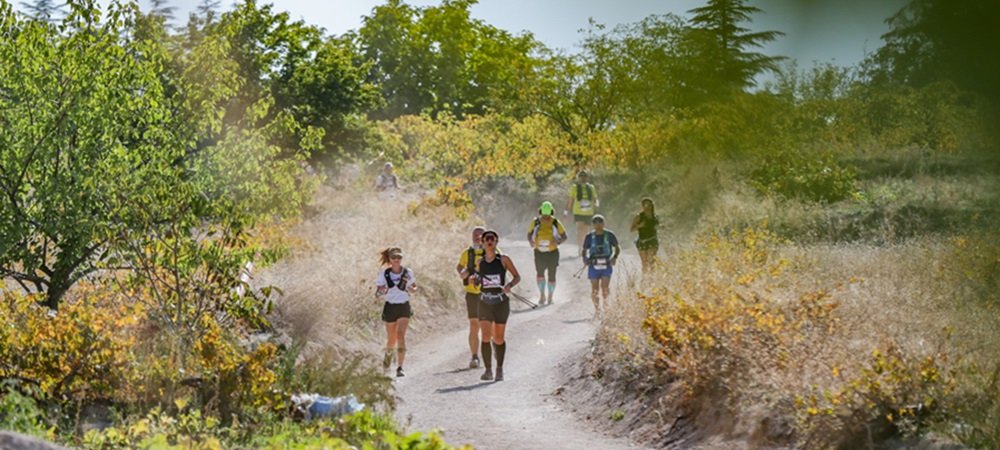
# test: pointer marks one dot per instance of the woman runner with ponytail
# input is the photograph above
(395, 283)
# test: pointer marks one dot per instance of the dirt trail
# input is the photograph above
(524, 411)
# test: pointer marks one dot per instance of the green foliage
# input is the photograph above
(191, 430)
(938, 40)
(438, 59)
(19, 412)
(799, 175)
(723, 63)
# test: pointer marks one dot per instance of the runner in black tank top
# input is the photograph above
(494, 306)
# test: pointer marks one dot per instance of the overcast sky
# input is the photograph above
(841, 31)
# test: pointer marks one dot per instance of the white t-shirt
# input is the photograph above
(394, 295)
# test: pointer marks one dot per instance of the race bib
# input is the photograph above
(543, 246)
(585, 205)
(491, 281)
(600, 264)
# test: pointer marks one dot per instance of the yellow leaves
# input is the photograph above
(89, 337)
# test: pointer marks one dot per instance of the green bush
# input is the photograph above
(791, 174)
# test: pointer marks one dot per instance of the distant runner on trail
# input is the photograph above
(600, 253)
(583, 203)
(494, 305)
(386, 180)
(467, 264)
(646, 224)
(395, 283)
(544, 235)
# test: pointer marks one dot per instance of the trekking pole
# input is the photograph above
(530, 303)
(579, 272)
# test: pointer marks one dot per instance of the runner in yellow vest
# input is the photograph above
(544, 235)
(584, 203)
(468, 261)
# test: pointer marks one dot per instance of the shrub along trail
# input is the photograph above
(524, 411)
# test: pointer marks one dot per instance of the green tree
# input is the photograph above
(935, 40)
(104, 151)
(724, 62)
(318, 80)
(439, 59)
(84, 141)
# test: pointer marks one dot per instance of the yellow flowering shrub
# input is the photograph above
(80, 353)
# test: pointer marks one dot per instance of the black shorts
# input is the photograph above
(582, 219)
(647, 244)
(472, 305)
(392, 312)
(497, 313)
(546, 261)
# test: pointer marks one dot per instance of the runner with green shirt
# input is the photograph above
(600, 253)
(544, 235)
(583, 202)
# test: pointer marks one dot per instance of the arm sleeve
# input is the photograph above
(586, 244)
(613, 240)
(380, 279)
(413, 278)
(463, 259)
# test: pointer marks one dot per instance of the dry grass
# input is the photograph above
(328, 280)
(929, 297)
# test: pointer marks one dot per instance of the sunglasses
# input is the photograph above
(489, 239)
(396, 257)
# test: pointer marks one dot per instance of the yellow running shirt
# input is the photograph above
(545, 235)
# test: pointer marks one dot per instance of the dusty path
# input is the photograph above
(521, 412)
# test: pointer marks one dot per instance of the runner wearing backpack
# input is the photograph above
(468, 261)
(583, 202)
(544, 235)
(600, 254)
(395, 283)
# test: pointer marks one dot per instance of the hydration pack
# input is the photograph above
(403, 278)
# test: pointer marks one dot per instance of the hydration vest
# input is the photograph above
(605, 248)
(403, 278)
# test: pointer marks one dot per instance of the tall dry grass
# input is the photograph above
(327, 282)
(913, 330)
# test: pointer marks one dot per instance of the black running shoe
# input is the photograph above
(399, 372)
(499, 376)
(474, 363)
(487, 375)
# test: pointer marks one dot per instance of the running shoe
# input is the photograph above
(399, 372)
(499, 376)
(487, 375)
(474, 363)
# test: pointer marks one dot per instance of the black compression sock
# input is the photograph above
(501, 350)
(487, 351)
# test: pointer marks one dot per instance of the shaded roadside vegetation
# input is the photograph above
(832, 255)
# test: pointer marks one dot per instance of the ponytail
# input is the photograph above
(385, 255)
